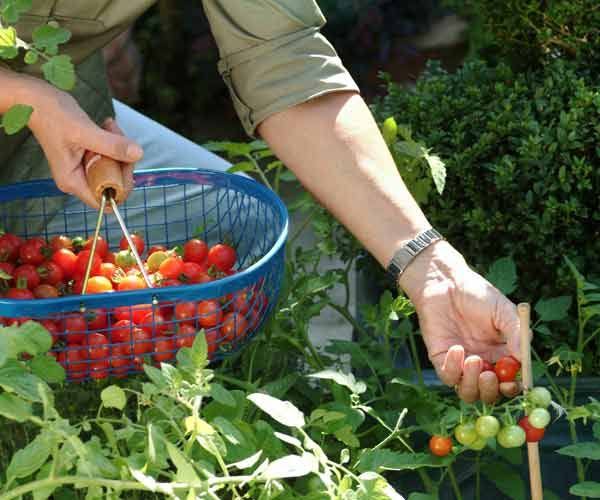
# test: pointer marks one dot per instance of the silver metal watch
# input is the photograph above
(403, 257)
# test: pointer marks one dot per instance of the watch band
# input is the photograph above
(403, 257)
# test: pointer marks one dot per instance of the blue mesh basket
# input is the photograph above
(167, 206)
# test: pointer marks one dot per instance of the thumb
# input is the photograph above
(113, 145)
(506, 321)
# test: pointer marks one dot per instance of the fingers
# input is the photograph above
(452, 368)
(506, 321)
(127, 168)
(76, 184)
(113, 144)
(468, 388)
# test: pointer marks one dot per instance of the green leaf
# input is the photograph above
(8, 43)
(29, 459)
(49, 37)
(376, 488)
(243, 166)
(37, 340)
(185, 470)
(16, 118)
(590, 489)
(503, 275)
(550, 495)
(346, 436)
(12, 9)
(553, 309)
(344, 379)
(384, 459)
(438, 171)
(291, 466)
(156, 376)
(14, 378)
(589, 449)
(596, 430)
(230, 432)
(47, 368)
(506, 479)
(283, 411)
(59, 71)
(14, 408)
(114, 397)
(222, 395)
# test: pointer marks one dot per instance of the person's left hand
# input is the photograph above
(463, 320)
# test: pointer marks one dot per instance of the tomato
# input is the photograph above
(125, 259)
(45, 292)
(61, 241)
(539, 418)
(66, 260)
(33, 252)
(99, 369)
(19, 294)
(98, 346)
(241, 302)
(155, 259)
(8, 268)
(9, 247)
(171, 267)
(164, 349)
(506, 368)
(120, 358)
(108, 270)
(74, 362)
(132, 313)
(440, 446)
(221, 256)
(156, 248)
(185, 336)
(479, 444)
(195, 250)
(82, 261)
(511, 436)
(27, 273)
(121, 331)
(532, 434)
(138, 241)
(131, 282)
(74, 328)
(209, 313)
(170, 282)
(51, 273)
(101, 246)
(154, 324)
(212, 340)
(192, 273)
(234, 327)
(486, 366)
(185, 312)
(142, 342)
(487, 426)
(540, 397)
(99, 284)
(110, 258)
(97, 319)
(466, 433)
(52, 328)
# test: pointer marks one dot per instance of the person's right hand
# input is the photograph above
(65, 133)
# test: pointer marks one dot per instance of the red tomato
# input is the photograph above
(164, 349)
(74, 328)
(61, 241)
(131, 282)
(66, 260)
(142, 342)
(19, 294)
(171, 267)
(74, 362)
(154, 324)
(99, 284)
(212, 340)
(241, 302)
(120, 358)
(532, 434)
(33, 251)
(52, 328)
(222, 256)
(440, 446)
(195, 250)
(209, 313)
(98, 346)
(170, 282)
(132, 313)
(193, 273)
(45, 292)
(185, 336)
(99, 369)
(101, 246)
(51, 273)
(9, 247)
(27, 273)
(138, 241)
(156, 248)
(506, 368)
(110, 258)
(82, 261)
(8, 268)
(185, 312)
(108, 270)
(97, 319)
(235, 326)
(486, 366)
(121, 331)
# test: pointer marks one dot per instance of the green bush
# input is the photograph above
(531, 31)
(522, 153)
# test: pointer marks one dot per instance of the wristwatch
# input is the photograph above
(403, 257)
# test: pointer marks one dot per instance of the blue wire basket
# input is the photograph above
(168, 207)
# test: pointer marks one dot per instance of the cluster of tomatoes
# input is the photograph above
(99, 342)
(474, 433)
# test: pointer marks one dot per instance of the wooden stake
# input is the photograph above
(533, 452)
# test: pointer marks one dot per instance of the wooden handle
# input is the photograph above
(533, 451)
(104, 173)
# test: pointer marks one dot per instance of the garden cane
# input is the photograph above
(533, 452)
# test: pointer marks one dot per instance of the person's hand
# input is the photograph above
(65, 133)
(463, 320)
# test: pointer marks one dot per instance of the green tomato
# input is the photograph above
(156, 259)
(389, 130)
(511, 436)
(539, 418)
(124, 259)
(487, 426)
(466, 434)
(479, 444)
(540, 397)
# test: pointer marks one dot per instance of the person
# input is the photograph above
(290, 88)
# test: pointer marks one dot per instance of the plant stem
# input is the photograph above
(301, 228)
(454, 483)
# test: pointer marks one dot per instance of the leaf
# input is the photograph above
(38, 339)
(372, 460)
(344, 379)
(243, 166)
(222, 395)
(49, 37)
(289, 439)
(185, 470)
(14, 408)
(16, 118)
(14, 378)
(247, 463)
(291, 466)
(113, 397)
(229, 431)
(589, 449)
(11, 10)
(29, 459)
(553, 309)
(596, 430)
(377, 488)
(156, 376)
(283, 411)
(47, 368)
(503, 275)
(505, 479)
(438, 171)
(8, 43)
(59, 71)
(346, 436)
(590, 489)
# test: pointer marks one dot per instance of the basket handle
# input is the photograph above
(104, 173)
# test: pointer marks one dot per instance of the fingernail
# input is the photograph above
(108, 121)
(134, 152)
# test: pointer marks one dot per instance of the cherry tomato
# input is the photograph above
(487, 426)
(241, 302)
(98, 346)
(479, 444)
(506, 369)
(142, 342)
(511, 436)
(82, 261)
(209, 313)
(154, 324)
(440, 446)
(9, 247)
(109, 258)
(109, 271)
(74, 362)
(99, 284)
(45, 292)
(101, 246)
(132, 313)
(212, 340)
(138, 241)
(532, 434)
(66, 260)
(195, 250)
(19, 294)
(155, 259)
(131, 282)
(235, 326)
(120, 359)
(33, 252)
(222, 256)
(164, 349)
(539, 418)
(99, 369)
(121, 331)
(170, 282)
(61, 241)
(52, 328)
(125, 259)
(185, 336)
(51, 273)
(156, 248)
(466, 433)
(8, 268)
(540, 397)
(486, 366)
(192, 273)
(97, 319)
(171, 267)
(27, 273)
(185, 312)
(74, 328)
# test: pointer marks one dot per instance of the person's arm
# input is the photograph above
(334, 147)
(65, 132)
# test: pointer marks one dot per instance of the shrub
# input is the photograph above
(523, 164)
